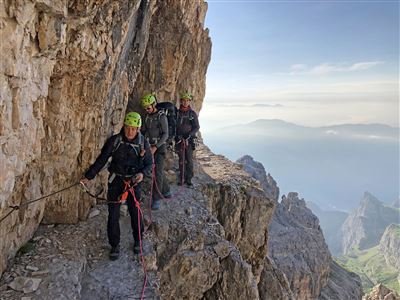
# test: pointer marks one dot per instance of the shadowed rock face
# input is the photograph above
(298, 247)
(365, 225)
(341, 284)
(68, 69)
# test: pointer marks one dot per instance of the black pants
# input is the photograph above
(185, 154)
(162, 183)
(115, 189)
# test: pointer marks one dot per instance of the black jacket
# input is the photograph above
(126, 159)
(187, 124)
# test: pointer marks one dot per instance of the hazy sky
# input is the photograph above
(309, 62)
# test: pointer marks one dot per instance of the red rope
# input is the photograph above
(139, 213)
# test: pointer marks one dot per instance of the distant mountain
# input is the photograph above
(365, 225)
(329, 165)
(371, 131)
(389, 245)
(331, 223)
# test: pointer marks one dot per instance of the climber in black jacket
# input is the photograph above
(187, 125)
(131, 160)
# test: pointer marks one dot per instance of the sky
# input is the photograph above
(313, 63)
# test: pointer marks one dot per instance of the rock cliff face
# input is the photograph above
(298, 248)
(390, 245)
(341, 284)
(257, 171)
(365, 225)
(68, 69)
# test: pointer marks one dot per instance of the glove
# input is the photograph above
(186, 136)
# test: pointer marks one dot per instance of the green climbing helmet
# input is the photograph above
(186, 95)
(147, 100)
(133, 119)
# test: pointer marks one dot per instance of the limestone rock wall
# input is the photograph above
(68, 68)
(177, 54)
(240, 205)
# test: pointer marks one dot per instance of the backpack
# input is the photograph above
(169, 110)
(136, 147)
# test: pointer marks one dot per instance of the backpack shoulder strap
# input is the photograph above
(117, 143)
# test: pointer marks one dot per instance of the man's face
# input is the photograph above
(185, 102)
(150, 109)
(130, 132)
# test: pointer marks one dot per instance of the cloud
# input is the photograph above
(332, 132)
(249, 105)
(327, 68)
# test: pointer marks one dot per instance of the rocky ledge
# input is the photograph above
(206, 242)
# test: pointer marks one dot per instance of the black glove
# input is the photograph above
(186, 136)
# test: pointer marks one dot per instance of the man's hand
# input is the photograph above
(139, 177)
(84, 181)
(153, 149)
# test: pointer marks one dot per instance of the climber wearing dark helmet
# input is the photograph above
(130, 161)
(187, 125)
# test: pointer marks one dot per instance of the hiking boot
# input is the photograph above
(167, 195)
(155, 205)
(136, 248)
(189, 183)
(114, 253)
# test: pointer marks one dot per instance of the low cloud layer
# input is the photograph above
(328, 68)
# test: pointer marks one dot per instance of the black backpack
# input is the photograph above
(170, 111)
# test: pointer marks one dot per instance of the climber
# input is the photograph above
(155, 129)
(187, 125)
(130, 161)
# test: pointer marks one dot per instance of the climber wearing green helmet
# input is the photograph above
(155, 129)
(187, 125)
(130, 161)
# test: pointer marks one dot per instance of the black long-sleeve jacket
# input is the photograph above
(187, 123)
(125, 157)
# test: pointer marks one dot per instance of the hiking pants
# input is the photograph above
(162, 183)
(115, 189)
(185, 154)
